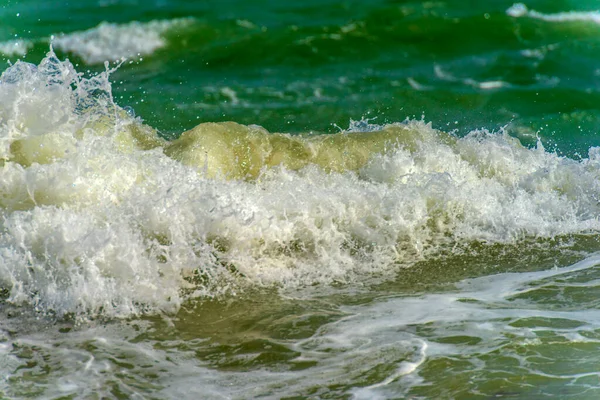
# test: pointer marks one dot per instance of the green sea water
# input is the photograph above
(333, 199)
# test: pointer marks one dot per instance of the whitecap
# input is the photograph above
(16, 47)
(111, 41)
(519, 10)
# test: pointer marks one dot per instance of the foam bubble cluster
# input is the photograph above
(102, 216)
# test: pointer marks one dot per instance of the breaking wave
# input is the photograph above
(102, 216)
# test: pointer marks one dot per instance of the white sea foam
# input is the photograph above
(110, 41)
(17, 47)
(519, 10)
(96, 218)
(105, 42)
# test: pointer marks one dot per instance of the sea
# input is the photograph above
(332, 199)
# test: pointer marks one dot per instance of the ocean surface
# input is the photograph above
(333, 199)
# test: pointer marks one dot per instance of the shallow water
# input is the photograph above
(406, 204)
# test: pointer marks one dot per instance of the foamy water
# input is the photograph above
(17, 47)
(110, 42)
(105, 42)
(519, 10)
(379, 349)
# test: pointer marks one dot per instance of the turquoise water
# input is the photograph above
(333, 199)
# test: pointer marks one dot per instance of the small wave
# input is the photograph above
(519, 10)
(110, 42)
(105, 42)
